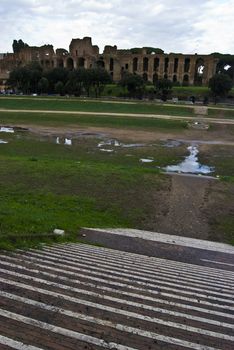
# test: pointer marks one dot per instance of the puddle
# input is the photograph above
(64, 141)
(146, 160)
(190, 165)
(114, 143)
(1, 141)
(6, 129)
(106, 150)
(68, 142)
(133, 145)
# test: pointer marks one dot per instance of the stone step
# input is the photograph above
(77, 296)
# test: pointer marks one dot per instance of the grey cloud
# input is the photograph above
(181, 26)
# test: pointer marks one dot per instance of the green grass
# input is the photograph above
(92, 106)
(45, 186)
(53, 119)
(219, 113)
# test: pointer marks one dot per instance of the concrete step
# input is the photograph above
(177, 248)
(77, 296)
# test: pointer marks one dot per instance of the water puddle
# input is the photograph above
(146, 160)
(106, 150)
(64, 141)
(6, 129)
(68, 142)
(113, 143)
(1, 141)
(190, 165)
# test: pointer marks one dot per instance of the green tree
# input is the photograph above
(56, 75)
(98, 78)
(43, 85)
(59, 88)
(26, 78)
(164, 88)
(220, 85)
(134, 84)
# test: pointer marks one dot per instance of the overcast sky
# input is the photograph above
(185, 26)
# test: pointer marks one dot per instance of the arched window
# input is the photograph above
(174, 78)
(81, 62)
(145, 77)
(199, 71)
(111, 64)
(145, 64)
(135, 64)
(166, 64)
(176, 64)
(156, 63)
(186, 65)
(70, 63)
(60, 63)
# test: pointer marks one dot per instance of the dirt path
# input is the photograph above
(186, 199)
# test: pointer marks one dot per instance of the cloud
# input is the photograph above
(203, 26)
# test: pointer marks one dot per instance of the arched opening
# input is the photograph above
(145, 77)
(186, 80)
(47, 63)
(186, 65)
(199, 71)
(176, 64)
(135, 64)
(174, 79)
(111, 64)
(70, 63)
(81, 62)
(165, 76)
(145, 64)
(156, 64)
(100, 63)
(60, 63)
(155, 78)
(166, 64)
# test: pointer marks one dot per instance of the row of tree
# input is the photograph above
(32, 79)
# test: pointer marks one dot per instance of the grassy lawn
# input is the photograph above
(92, 106)
(46, 186)
(53, 119)
(219, 113)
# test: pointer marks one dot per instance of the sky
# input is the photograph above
(185, 26)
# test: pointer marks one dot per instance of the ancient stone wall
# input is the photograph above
(184, 69)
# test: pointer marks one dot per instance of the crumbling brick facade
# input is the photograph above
(185, 69)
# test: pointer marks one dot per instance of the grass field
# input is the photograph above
(62, 104)
(46, 186)
(49, 119)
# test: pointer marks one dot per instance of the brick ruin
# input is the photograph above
(185, 69)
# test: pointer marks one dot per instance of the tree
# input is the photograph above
(43, 85)
(98, 78)
(164, 87)
(59, 88)
(220, 85)
(26, 78)
(134, 84)
(56, 75)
